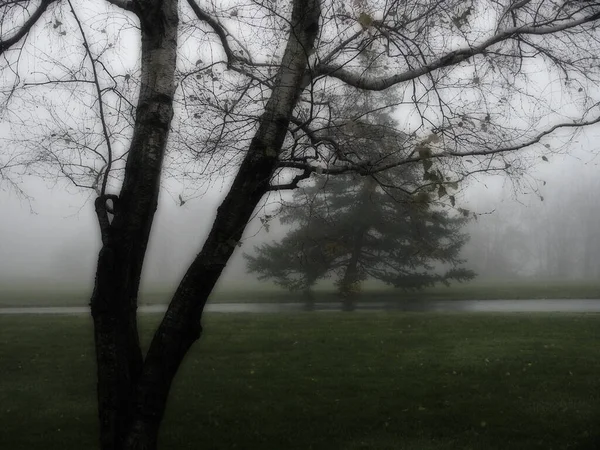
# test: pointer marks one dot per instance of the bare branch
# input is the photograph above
(217, 28)
(292, 184)
(450, 59)
(127, 5)
(526, 144)
(9, 42)
(103, 209)
(223, 35)
(370, 167)
(100, 102)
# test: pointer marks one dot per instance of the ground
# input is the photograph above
(327, 381)
(30, 294)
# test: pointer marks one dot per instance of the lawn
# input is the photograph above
(326, 381)
(66, 295)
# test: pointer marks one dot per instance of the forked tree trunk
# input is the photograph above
(125, 237)
(132, 391)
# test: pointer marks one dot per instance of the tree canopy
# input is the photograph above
(349, 229)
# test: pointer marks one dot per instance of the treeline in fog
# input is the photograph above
(551, 234)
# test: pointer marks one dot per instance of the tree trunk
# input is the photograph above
(350, 282)
(125, 237)
(309, 295)
(348, 285)
(132, 392)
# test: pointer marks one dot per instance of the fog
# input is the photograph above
(542, 225)
(53, 238)
(547, 233)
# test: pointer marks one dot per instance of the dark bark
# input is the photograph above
(309, 295)
(181, 327)
(132, 391)
(22, 31)
(125, 237)
(349, 283)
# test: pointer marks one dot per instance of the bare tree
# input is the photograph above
(256, 89)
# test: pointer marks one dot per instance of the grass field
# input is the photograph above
(327, 381)
(59, 295)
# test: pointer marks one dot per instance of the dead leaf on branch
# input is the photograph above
(365, 20)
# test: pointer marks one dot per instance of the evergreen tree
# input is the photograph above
(350, 229)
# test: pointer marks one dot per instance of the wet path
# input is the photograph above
(555, 305)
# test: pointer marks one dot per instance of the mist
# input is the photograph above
(546, 231)
(52, 239)
(542, 226)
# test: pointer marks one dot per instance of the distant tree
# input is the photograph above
(551, 235)
(499, 245)
(350, 229)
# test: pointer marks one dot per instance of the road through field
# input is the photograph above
(554, 305)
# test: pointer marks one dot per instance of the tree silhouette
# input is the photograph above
(348, 228)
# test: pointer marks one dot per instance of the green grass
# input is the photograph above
(327, 381)
(36, 295)
(512, 290)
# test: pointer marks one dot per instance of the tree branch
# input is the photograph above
(9, 42)
(102, 210)
(221, 32)
(371, 168)
(292, 184)
(127, 5)
(105, 131)
(529, 143)
(450, 59)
